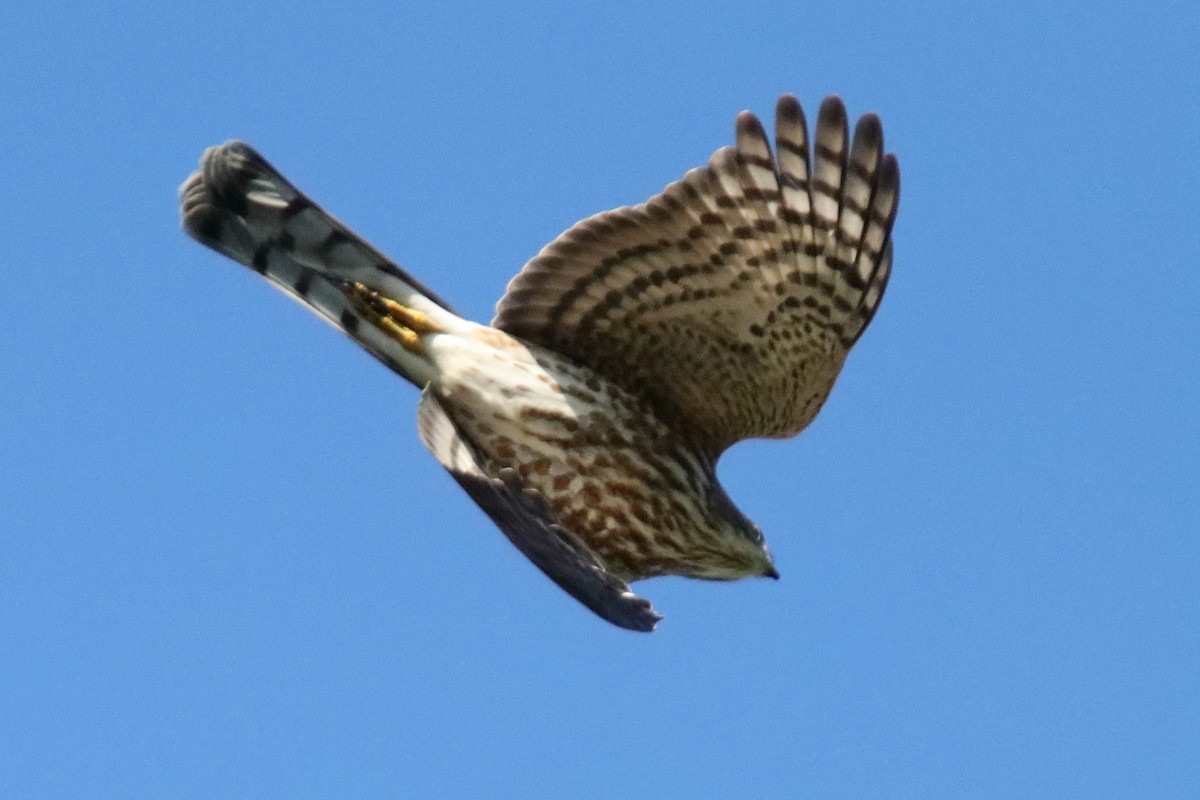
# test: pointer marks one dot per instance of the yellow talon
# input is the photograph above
(407, 338)
(401, 322)
(416, 321)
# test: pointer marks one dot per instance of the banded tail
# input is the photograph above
(240, 206)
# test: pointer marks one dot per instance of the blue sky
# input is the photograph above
(228, 568)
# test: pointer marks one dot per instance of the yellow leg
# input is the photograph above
(404, 324)
(407, 338)
(415, 321)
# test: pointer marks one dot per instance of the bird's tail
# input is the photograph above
(240, 206)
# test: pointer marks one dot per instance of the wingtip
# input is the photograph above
(831, 116)
(832, 103)
(747, 122)
(788, 105)
(869, 130)
(642, 617)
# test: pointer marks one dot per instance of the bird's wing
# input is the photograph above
(526, 519)
(732, 298)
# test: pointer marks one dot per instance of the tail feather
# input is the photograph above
(240, 206)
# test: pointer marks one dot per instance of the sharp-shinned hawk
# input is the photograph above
(587, 420)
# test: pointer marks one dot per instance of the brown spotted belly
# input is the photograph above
(613, 473)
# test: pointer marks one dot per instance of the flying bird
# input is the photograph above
(625, 357)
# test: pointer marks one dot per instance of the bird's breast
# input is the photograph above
(614, 473)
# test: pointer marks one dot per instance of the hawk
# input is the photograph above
(588, 418)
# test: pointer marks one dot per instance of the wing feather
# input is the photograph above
(731, 299)
(526, 519)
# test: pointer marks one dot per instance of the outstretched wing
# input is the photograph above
(731, 299)
(527, 521)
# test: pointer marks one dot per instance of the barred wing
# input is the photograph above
(731, 299)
